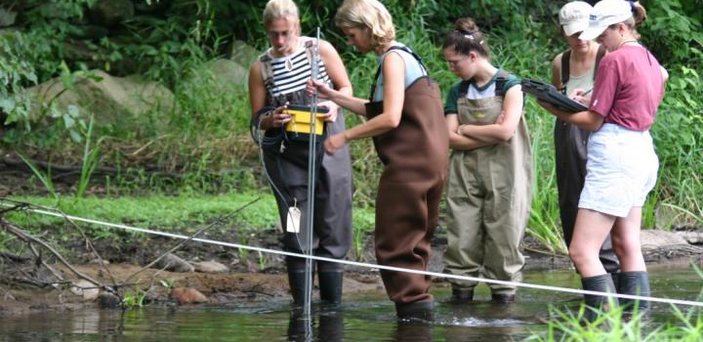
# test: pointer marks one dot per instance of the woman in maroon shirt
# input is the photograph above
(622, 165)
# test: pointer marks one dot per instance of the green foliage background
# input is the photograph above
(205, 141)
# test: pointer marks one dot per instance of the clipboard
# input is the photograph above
(548, 93)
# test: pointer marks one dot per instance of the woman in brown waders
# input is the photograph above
(405, 120)
(490, 172)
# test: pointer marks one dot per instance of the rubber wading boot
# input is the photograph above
(637, 284)
(616, 279)
(596, 303)
(502, 298)
(416, 311)
(296, 281)
(462, 295)
(331, 286)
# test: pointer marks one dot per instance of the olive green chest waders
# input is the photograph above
(488, 201)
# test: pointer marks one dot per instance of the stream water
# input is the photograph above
(362, 317)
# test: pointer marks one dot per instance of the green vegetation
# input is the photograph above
(613, 326)
(187, 161)
(616, 325)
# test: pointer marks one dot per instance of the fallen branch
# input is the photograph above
(182, 243)
(26, 237)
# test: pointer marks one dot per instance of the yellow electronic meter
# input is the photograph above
(300, 119)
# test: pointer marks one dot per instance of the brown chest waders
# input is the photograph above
(415, 156)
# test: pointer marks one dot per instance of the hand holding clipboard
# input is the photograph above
(548, 93)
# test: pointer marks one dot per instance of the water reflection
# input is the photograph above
(362, 317)
(329, 327)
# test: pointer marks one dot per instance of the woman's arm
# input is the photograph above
(588, 119)
(504, 129)
(458, 141)
(338, 75)
(257, 100)
(393, 97)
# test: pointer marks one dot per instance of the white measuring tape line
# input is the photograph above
(367, 265)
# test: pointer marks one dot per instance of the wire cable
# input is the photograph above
(355, 263)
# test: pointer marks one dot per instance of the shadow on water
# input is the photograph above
(363, 317)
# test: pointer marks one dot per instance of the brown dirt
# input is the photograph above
(18, 299)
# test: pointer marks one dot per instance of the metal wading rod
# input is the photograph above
(352, 263)
(312, 178)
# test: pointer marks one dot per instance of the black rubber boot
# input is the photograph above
(595, 303)
(296, 279)
(330, 276)
(616, 279)
(502, 298)
(331, 286)
(637, 284)
(420, 311)
(462, 295)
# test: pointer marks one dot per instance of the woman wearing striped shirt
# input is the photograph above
(278, 79)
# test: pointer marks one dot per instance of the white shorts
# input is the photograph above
(621, 170)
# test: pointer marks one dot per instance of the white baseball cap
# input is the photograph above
(604, 14)
(573, 17)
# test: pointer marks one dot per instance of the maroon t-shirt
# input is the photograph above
(628, 88)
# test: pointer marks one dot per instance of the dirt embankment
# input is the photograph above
(244, 281)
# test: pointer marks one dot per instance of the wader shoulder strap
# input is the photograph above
(267, 72)
(501, 82)
(380, 66)
(565, 66)
(464, 88)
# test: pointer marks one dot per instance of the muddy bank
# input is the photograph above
(244, 281)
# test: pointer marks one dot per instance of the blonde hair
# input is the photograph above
(277, 9)
(369, 14)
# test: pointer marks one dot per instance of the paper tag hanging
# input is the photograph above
(293, 221)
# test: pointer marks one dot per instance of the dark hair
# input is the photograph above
(639, 13)
(466, 37)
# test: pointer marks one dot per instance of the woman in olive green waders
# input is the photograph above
(277, 80)
(405, 120)
(490, 172)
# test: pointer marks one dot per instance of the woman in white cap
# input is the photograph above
(622, 165)
(573, 69)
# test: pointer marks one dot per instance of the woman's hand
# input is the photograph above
(335, 142)
(323, 90)
(280, 116)
(333, 109)
(581, 96)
